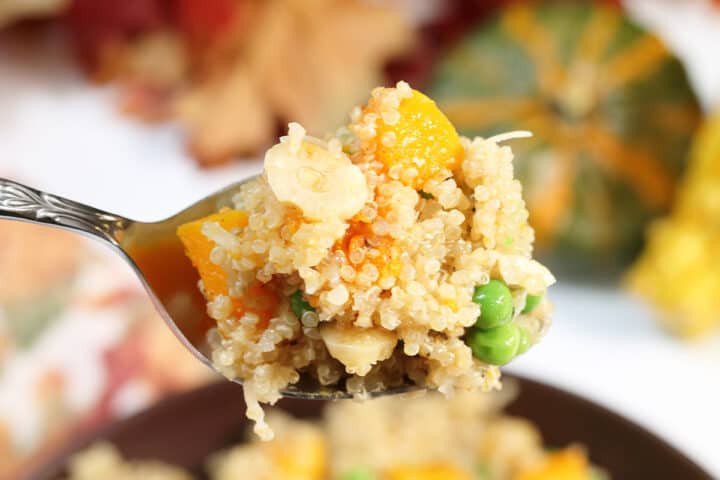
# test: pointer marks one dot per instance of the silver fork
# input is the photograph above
(157, 256)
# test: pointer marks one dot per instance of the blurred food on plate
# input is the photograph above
(679, 271)
(611, 110)
(425, 438)
(80, 343)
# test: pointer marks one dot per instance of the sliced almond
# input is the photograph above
(358, 348)
(324, 184)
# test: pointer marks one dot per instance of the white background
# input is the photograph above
(60, 134)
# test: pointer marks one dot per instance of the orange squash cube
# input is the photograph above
(198, 248)
(422, 139)
(567, 464)
(428, 472)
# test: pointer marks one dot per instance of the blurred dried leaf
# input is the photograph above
(232, 70)
(12, 10)
(302, 61)
(33, 258)
(225, 117)
(316, 64)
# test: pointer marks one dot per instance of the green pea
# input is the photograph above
(496, 346)
(531, 301)
(358, 473)
(482, 471)
(597, 474)
(496, 304)
(299, 305)
(524, 343)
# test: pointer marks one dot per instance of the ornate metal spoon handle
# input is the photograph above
(20, 202)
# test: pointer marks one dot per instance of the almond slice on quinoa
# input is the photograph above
(320, 181)
(358, 348)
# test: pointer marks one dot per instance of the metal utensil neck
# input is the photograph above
(20, 202)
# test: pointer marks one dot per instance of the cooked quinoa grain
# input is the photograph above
(385, 229)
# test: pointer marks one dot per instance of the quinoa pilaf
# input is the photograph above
(393, 251)
(402, 438)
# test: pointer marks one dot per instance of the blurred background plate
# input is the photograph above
(185, 429)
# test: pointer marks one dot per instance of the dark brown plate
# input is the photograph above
(184, 429)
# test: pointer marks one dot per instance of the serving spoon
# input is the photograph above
(157, 256)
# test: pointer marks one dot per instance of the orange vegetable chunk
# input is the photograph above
(198, 248)
(427, 472)
(423, 138)
(567, 464)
